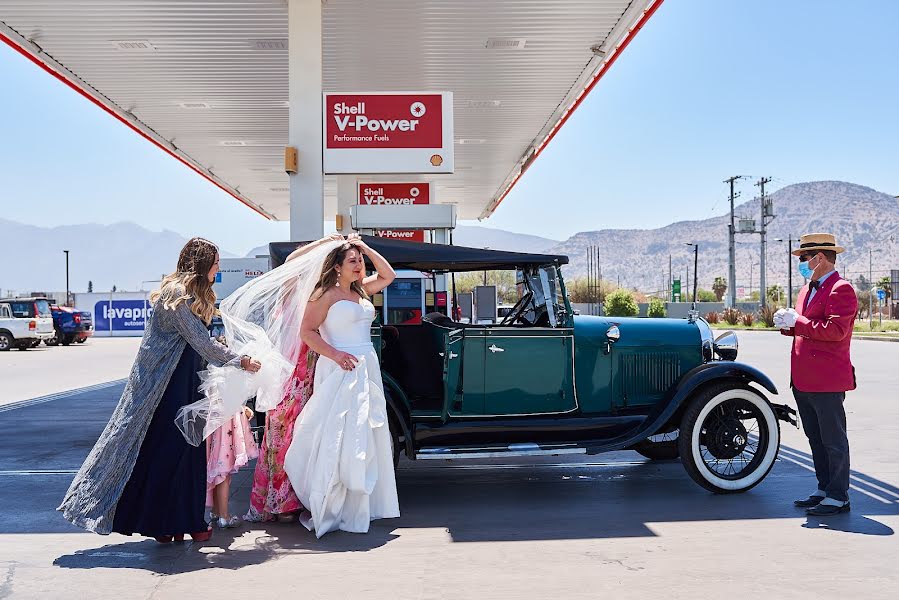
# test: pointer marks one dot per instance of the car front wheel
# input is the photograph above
(729, 438)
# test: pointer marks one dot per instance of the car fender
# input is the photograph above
(398, 402)
(704, 374)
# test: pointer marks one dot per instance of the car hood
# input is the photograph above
(638, 331)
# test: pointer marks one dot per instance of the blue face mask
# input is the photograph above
(805, 270)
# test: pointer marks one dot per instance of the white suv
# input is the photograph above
(24, 323)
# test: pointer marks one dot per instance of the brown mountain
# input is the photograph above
(861, 218)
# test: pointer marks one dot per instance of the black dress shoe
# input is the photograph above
(826, 510)
(808, 502)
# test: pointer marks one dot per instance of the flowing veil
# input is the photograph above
(262, 319)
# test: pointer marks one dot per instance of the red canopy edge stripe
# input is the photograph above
(12, 44)
(580, 98)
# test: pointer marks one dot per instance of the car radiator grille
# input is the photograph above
(646, 376)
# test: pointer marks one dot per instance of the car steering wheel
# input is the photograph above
(517, 310)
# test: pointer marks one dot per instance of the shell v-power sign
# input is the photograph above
(396, 132)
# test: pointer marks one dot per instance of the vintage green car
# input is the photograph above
(545, 381)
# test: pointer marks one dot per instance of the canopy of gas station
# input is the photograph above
(215, 84)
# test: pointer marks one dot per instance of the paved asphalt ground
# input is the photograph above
(607, 526)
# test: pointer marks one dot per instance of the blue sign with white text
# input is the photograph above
(125, 315)
(881, 295)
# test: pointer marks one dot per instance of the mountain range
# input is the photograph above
(127, 255)
(862, 219)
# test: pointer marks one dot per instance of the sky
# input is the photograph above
(799, 90)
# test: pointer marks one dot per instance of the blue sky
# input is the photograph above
(800, 90)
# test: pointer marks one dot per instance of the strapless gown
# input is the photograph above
(340, 462)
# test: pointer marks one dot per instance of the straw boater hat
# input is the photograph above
(817, 241)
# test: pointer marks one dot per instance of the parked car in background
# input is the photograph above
(70, 326)
(24, 322)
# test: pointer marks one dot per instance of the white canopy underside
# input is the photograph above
(208, 80)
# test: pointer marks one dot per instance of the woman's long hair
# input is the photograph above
(191, 280)
(329, 272)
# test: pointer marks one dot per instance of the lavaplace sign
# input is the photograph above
(408, 132)
(396, 194)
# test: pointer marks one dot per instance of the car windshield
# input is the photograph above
(548, 298)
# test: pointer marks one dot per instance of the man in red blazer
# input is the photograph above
(821, 370)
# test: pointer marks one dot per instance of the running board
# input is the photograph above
(529, 449)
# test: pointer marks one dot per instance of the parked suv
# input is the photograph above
(24, 322)
(70, 326)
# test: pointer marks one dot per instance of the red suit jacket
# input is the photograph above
(821, 337)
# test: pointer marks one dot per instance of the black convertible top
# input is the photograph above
(432, 258)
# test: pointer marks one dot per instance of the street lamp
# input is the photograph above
(68, 297)
(695, 269)
(789, 242)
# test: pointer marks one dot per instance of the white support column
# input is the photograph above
(347, 196)
(304, 38)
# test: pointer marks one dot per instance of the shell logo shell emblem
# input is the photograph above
(436, 160)
(418, 109)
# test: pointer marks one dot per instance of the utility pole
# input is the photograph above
(870, 291)
(670, 281)
(766, 212)
(731, 298)
(68, 296)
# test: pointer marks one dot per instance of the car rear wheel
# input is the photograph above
(6, 341)
(729, 438)
(52, 341)
(662, 446)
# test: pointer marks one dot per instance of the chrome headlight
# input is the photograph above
(726, 346)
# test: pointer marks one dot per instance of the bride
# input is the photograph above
(341, 461)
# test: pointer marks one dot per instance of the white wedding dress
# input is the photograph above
(340, 462)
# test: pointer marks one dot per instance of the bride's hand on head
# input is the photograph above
(333, 237)
(345, 361)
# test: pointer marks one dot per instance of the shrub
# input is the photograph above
(747, 319)
(730, 315)
(712, 317)
(705, 296)
(656, 308)
(621, 303)
(766, 315)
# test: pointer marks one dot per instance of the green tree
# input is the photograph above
(885, 284)
(506, 290)
(776, 293)
(705, 296)
(719, 287)
(656, 308)
(621, 303)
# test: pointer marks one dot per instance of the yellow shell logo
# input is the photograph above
(436, 160)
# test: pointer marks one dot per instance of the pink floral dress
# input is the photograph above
(229, 448)
(272, 493)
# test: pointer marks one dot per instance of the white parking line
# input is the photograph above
(60, 395)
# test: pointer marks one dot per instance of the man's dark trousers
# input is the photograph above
(824, 422)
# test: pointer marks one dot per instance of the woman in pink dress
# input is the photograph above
(229, 448)
(272, 497)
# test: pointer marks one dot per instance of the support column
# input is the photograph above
(347, 196)
(304, 38)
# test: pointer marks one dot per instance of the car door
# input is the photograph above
(463, 372)
(528, 371)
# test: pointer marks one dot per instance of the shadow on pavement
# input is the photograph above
(230, 549)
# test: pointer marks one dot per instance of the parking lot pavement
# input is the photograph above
(612, 525)
(46, 370)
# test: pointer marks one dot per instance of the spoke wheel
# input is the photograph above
(729, 439)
